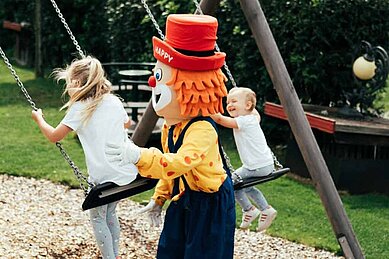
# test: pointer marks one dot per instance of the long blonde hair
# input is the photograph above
(85, 80)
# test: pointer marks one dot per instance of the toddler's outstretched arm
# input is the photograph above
(51, 133)
(225, 121)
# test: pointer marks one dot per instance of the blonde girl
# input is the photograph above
(97, 117)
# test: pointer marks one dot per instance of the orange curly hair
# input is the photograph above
(199, 92)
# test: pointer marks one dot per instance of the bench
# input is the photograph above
(135, 108)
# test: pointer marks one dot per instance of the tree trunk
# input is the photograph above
(38, 39)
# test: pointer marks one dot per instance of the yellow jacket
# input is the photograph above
(197, 159)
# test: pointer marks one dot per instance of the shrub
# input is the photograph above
(317, 39)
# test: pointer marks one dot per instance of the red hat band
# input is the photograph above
(189, 43)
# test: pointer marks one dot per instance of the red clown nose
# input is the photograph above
(152, 82)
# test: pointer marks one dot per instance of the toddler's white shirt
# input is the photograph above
(251, 143)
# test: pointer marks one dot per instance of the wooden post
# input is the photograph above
(301, 129)
(145, 126)
(147, 123)
(38, 39)
(209, 6)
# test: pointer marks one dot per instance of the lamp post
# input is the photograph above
(370, 71)
(373, 66)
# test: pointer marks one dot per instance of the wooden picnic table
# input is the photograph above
(135, 72)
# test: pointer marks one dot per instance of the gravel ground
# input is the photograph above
(39, 219)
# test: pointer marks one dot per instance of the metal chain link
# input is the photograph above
(81, 178)
(17, 79)
(229, 74)
(150, 14)
(67, 28)
(228, 161)
(277, 164)
(75, 169)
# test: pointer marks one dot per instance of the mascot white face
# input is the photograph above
(161, 93)
(164, 97)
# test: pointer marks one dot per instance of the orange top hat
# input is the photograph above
(189, 43)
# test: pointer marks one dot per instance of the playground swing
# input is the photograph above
(239, 183)
(95, 195)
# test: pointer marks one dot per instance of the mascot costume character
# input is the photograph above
(188, 87)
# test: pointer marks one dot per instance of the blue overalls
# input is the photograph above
(199, 225)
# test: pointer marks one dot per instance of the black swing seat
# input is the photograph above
(108, 192)
(257, 180)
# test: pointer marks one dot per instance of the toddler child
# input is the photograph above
(254, 153)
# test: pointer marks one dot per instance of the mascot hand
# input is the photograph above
(124, 154)
(153, 213)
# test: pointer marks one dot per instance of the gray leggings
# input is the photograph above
(242, 196)
(106, 229)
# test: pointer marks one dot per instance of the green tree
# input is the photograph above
(131, 29)
(317, 39)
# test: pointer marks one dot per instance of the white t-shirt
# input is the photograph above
(105, 125)
(251, 143)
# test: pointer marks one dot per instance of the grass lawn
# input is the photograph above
(301, 217)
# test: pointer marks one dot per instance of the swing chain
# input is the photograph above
(17, 79)
(67, 28)
(277, 164)
(75, 169)
(228, 161)
(229, 74)
(150, 14)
